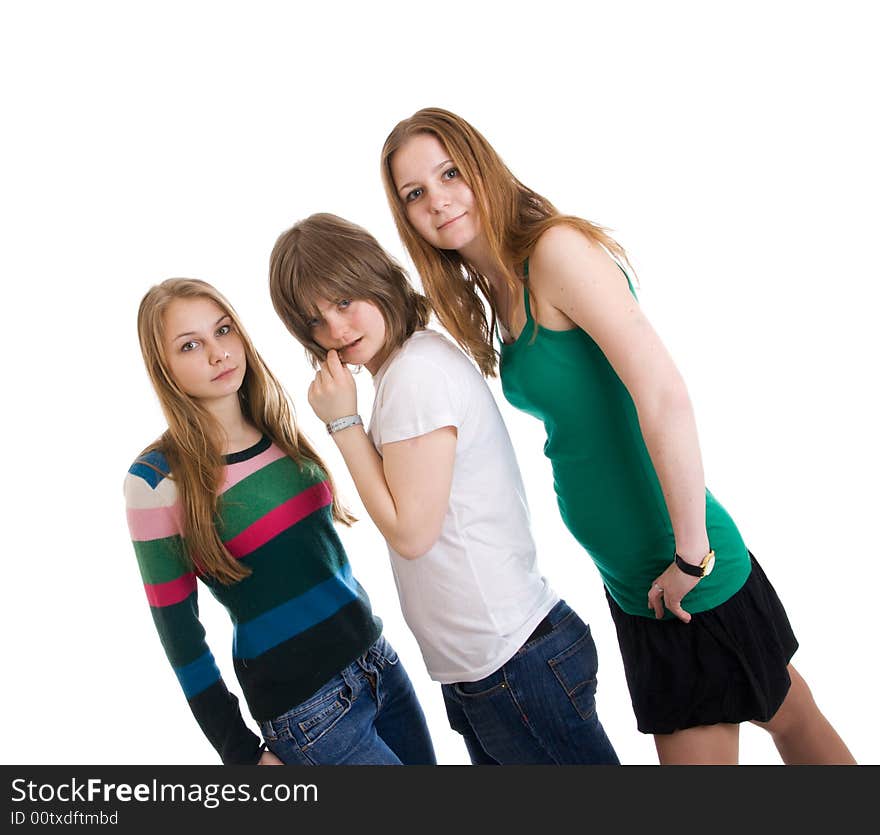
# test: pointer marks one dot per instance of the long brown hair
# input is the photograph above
(325, 256)
(512, 218)
(192, 442)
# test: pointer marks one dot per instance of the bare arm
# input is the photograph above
(578, 278)
(406, 489)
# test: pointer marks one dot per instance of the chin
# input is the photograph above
(460, 238)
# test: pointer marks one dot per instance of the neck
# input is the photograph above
(478, 255)
(377, 361)
(238, 432)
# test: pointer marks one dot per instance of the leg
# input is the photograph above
(459, 722)
(400, 722)
(800, 731)
(703, 745)
(554, 681)
(540, 707)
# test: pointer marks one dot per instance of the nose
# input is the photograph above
(336, 326)
(437, 199)
(216, 352)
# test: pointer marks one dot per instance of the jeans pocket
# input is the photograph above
(576, 669)
(320, 717)
(488, 686)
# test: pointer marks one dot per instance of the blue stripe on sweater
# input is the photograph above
(149, 474)
(198, 675)
(295, 616)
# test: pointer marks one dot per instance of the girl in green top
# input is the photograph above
(705, 641)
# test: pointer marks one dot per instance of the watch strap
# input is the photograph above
(343, 423)
(694, 570)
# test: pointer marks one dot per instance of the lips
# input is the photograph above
(350, 345)
(223, 375)
(451, 221)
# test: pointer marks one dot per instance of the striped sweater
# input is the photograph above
(298, 619)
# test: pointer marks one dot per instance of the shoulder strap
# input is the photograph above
(526, 289)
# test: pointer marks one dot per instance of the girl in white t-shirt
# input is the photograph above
(437, 474)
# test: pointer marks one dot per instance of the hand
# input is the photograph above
(669, 588)
(333, 393)
(268, 758)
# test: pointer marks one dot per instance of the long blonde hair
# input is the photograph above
(512, 218)
(192, 442)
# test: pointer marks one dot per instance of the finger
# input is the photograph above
(323, 377)
(655, 600)
(680, 613)
(333, 363)
(337, 367)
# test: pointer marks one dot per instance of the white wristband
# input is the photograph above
(343, 423)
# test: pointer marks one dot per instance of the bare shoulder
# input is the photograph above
(564, 258)
(560, 242)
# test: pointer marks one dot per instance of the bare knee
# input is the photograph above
(801, 733)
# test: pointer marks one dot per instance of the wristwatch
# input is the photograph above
(343, 423)
(705, 567)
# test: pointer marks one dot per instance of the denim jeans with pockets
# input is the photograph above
(540, 707)
(368, 714)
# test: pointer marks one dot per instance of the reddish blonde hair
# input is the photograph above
(512, 217)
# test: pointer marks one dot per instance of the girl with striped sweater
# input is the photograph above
(234, 496)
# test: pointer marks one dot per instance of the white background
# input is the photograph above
(732, 151)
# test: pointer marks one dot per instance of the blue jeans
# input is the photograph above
(368, 714)
(540, 707)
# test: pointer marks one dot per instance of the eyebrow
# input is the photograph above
(330, 304)
(193, 333)
(435, 168)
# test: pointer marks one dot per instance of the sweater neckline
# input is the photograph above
(246, 454)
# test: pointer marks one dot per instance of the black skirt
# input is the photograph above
(729, 664)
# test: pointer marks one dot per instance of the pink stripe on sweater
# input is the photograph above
(167, 594)
(279, 519)
(241, 470)
(153, 522)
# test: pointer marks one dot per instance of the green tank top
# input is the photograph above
(606, 486)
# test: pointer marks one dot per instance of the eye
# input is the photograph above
(450, 173)
(224, 329)
(313, 322)
(189, 346)
(342, 304)
(415, 194)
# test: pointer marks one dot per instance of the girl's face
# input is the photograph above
(438, 202)
(353, 327)
(205, 355)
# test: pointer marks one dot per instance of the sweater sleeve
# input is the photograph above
(170, 584)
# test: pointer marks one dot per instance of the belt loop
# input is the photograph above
(350, 676)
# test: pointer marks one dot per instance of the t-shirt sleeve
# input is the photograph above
(170, 584)
(418, 395)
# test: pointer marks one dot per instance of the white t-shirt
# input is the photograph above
(476, 595)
